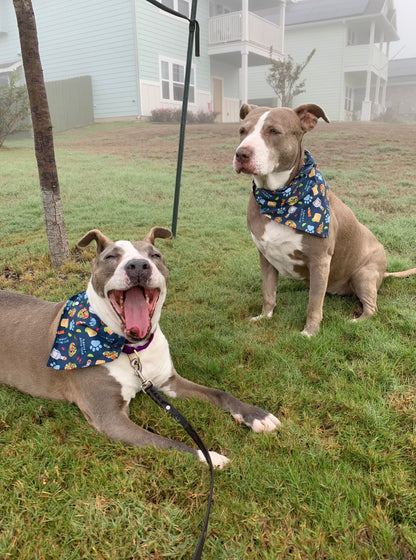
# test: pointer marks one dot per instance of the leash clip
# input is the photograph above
(136, 364)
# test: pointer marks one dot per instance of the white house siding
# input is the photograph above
(82, 38)
(258, 88)
(152, 24)
(329, 41)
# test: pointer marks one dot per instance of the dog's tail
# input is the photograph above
(401, 274)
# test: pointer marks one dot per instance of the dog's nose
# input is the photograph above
(243, 154)
(138, 269)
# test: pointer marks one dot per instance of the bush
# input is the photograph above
(14, 109)
(174, 116)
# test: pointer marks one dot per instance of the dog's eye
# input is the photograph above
(156, 256)
(109, 256)
(242, 131)
(274, 131)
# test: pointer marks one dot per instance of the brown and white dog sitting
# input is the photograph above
(300, 229)
(86, 342)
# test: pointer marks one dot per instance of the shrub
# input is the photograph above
(14, 109)
(174, 116)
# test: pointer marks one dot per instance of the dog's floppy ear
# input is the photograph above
(245, 109)
(94, 235)
(155, 232)
(309, 115)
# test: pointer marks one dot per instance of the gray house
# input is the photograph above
(401, 89)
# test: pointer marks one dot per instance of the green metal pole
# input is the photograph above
(192, 26)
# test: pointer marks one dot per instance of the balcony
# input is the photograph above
(359, 58)
(226, 34)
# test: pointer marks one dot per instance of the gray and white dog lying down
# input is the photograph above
(78, 350)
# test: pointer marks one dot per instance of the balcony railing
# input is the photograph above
(228, 28)
(362, 57)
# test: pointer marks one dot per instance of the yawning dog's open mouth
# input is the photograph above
(135, 308)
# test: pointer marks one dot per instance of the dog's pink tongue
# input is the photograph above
(136, 313)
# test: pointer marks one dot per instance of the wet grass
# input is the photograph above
(337, 482)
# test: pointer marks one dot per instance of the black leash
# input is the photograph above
(147, 387)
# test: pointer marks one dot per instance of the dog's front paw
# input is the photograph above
(262, 316)
(260, 421)
(310, 330)
(219, 461)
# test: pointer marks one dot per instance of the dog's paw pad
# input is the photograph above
(219, 461)
(268, 424)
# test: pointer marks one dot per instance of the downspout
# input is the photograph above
(136, 60)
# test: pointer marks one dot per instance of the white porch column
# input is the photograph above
(366, 106)
(383, 95)
(244, 52)
(377, 95)
(244, 10)
(244, 74)
(282, 19)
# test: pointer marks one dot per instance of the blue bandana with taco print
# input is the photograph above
(303, 204)
(82, 339)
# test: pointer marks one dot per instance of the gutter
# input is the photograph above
(136, 60)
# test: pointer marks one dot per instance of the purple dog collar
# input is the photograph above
(129, 349)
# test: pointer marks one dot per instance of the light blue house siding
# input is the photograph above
(9, 38)
(79, 38)
(162, 37)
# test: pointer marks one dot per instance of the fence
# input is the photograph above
(70, 102)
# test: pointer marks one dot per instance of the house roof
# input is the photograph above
(308, 11)
(9, 66)
(402, 67)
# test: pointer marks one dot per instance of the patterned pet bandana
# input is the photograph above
(303, 204)
(82, 339)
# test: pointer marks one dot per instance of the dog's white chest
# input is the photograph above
(279, 244)
(156, 366)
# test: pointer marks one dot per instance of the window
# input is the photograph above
(349, 99)
(181, 6)
(217, 9)
(351, 38)
(172, 81)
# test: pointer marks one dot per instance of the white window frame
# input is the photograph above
(349, 99)
(176, 8)
(171, 62)
(351, 37)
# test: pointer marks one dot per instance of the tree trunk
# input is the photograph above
(42, 129)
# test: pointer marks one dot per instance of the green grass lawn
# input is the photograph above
(337, 482)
